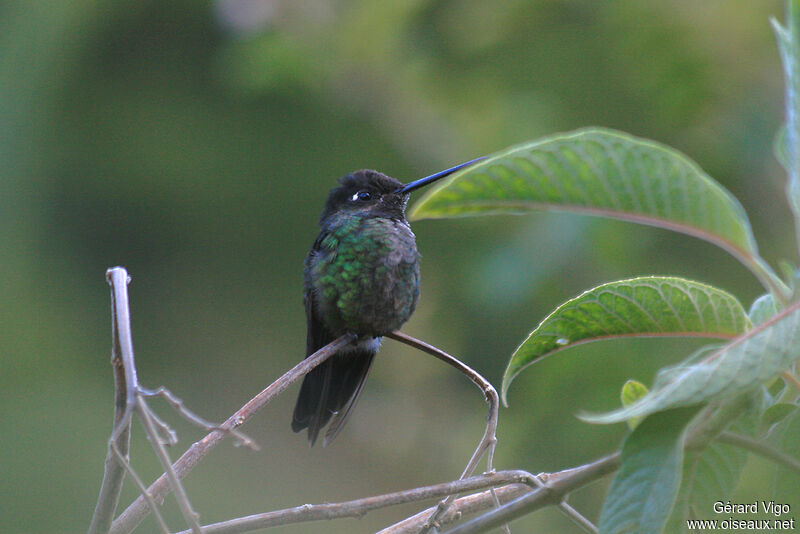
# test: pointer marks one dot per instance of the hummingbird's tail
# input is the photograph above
(329, 393)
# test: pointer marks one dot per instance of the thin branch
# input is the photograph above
(161, 427)
(578, 518)
(119, 285)
(555, 489)
(473, 504)
(489, 439)
(191, 517)
(124, 382)
(138, 510)
(762, 449)
(460, 507)
(521, 481)
(143, 490)
(122, 351)
(497, 504)
(114, 471)
(179, 406)
(571, 513)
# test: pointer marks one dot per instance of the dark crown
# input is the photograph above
(364, 180)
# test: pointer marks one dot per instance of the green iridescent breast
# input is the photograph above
(364, 276)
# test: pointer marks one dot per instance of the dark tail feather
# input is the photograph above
(330, 391)
(353, 382)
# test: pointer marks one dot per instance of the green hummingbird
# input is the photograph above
(361, 277)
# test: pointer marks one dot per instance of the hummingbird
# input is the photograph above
(361, 277)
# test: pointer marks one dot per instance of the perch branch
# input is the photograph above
(138, 510)
(556, 487)
(515, 481)
(489, 440)
(460, 507)
(483, 501)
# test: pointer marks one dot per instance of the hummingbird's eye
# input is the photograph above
(362, 195)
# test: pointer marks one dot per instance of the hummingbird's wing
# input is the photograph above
(309, 411)
(332, 388)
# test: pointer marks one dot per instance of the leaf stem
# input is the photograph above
(791, 379)
(769, 280)
(762, 449)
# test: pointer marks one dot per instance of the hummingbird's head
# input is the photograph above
(367, 193)
(373, 194)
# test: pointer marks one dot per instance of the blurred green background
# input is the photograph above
(194, 143)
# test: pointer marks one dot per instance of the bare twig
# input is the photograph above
(114, 473)
(556, 487)
(551, 489)
(179, 406)
(477, 502)
(138, 510)
(577, 518)
(564, 506)
(460, 507)
(170, 436)
(471, 504)
(191, 517)
(520, 480)
(122, 350)
(762, 449)
(143, 490)
(489, 439)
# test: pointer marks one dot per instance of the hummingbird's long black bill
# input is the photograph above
(416, 184)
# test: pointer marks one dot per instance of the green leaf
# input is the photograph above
(644, 489)
(646, 306)
(750, 360)
(598, 172)
(789, 47)
(712, 472)
(780, 148)
(708, 477)
(762, 309)
(788, 38)
(774, 391)
(632, 391)
(775, 414)
(785, 436)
